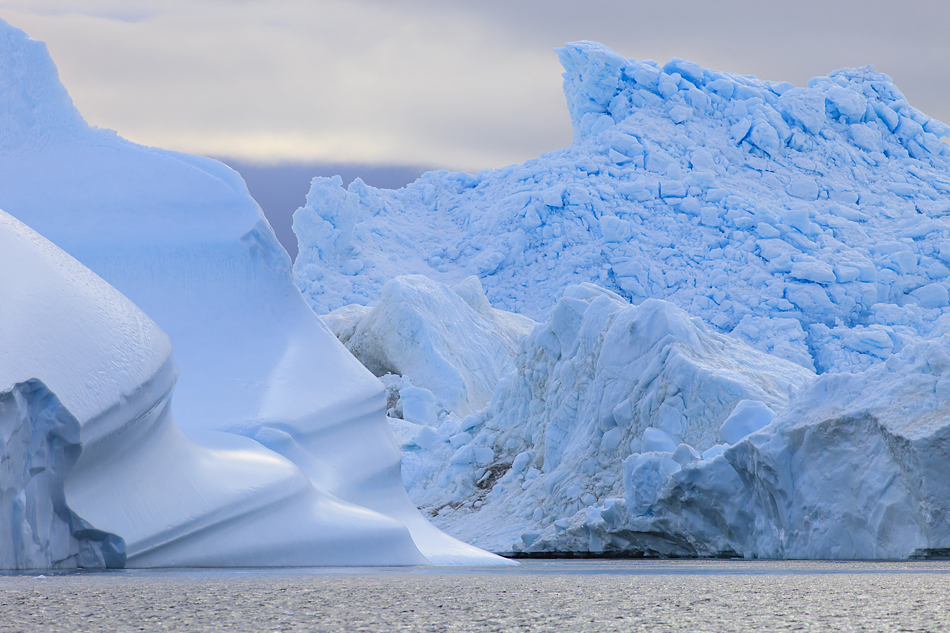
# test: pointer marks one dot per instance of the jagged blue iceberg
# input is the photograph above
(715, 212)
(810, 222)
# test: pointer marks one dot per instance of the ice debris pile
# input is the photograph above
(716, 212)
(811, 222)
(283, 455)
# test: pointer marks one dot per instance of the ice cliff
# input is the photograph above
(744, 235)
(854, 467)
(181, 237)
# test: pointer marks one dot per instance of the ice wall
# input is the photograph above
(854, 468)
(809, 221)
(40, 445)
(182, 238)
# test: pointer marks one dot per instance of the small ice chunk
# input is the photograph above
(521, 461)
(932, 296)
(460, 439)
(686, 454)
(610, 442)
(427, 438)
(815, 271)
(850, 104)
(418, 406)
(803, 188)
(484, 455)
(681, 113)
(351, 267)
(655, 440)
(463, 456)
(623, 413)
(715, 451)
(748, 417)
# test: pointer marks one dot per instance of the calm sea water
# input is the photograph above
(536, 596)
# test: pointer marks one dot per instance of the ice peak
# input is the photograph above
(34, 105)
(592, 77)
(604, 89)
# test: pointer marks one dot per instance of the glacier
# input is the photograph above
(295, 420)
(854, 468)
(741, 288)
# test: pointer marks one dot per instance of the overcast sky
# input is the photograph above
(449, 84)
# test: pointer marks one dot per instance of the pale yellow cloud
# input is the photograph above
(445, 83)
(337, 81)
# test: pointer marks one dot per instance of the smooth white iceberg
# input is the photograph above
(97, 473)
(181, 237)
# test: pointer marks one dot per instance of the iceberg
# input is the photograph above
(853, 468)
(600, 381)
(447, 340)
(759, 370)
(96, 472)
(809, 221)
(181, 237)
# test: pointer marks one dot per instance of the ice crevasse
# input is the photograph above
(761, 369)
(288, 407)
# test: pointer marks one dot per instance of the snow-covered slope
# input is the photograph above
(95, 470)
(811, 221)
(181, 237)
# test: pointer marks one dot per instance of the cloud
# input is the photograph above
(445, 83)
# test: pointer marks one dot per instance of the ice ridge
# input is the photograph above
(809, 221)
(600, 381)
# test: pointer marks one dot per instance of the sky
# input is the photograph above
(444, 83)
(404, 85)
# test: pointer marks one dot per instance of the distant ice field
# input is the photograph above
(598, 595)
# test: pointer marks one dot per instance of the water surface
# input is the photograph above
(642, 595)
